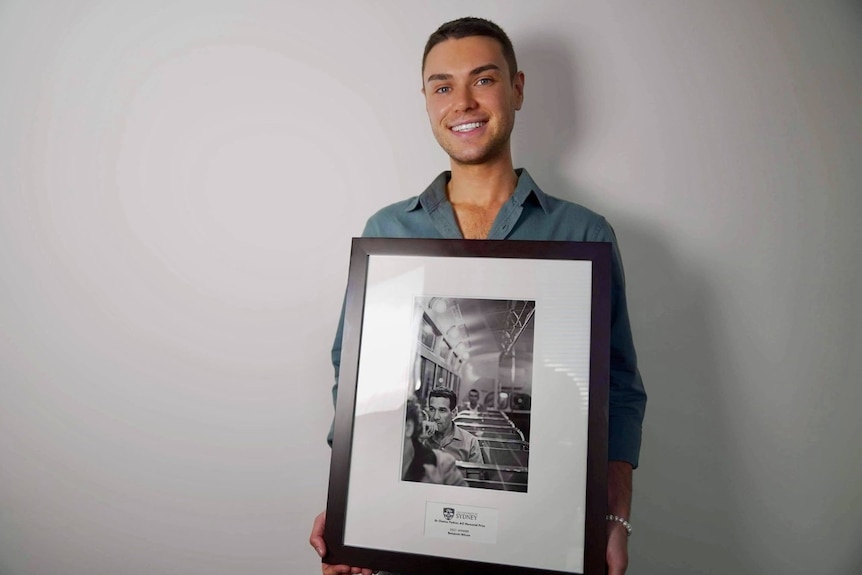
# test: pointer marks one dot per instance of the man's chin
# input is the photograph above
(477, 154)
(462, 156)
(476, 158)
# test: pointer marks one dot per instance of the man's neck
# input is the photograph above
(485, 185)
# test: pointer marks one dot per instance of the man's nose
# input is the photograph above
(464, 100)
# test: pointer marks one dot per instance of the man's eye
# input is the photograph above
(484, 81)
(443, 90)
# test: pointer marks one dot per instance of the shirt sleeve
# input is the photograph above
(335, 355)
(371, 231)
(475, 451)
(627, 397)
(448, 471)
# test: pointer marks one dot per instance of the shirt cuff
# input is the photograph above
(624, 440)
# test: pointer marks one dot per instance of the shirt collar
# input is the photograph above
(450, 434)
(435, 193)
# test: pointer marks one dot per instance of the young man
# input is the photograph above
(472, 90)
(423, 463)
(473, 401)
(449, 437)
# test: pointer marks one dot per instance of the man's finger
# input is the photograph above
(316, 538)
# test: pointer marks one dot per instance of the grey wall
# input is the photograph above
(178, 185)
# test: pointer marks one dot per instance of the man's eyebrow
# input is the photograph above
(473, 72)
(439, 77)
(485, 68)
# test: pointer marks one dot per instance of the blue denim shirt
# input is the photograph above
(530, 214)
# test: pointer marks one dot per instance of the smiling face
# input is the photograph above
(471, 98)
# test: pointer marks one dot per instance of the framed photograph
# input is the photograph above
(472, 411)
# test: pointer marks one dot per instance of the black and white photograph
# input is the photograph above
(450, 348)
(467, 417)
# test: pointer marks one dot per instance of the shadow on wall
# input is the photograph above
(689, 488)
(548, 126)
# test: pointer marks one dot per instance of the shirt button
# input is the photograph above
(505, 226)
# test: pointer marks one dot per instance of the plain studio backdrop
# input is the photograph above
(179, 182)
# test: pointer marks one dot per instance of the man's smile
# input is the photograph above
(467, 127)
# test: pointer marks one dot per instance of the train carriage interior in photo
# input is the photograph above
(482, 350)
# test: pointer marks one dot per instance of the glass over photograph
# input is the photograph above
(467, 417)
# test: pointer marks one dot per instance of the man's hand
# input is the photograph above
(619, 504)
(618, 553)
(429, 428)
(316, 541)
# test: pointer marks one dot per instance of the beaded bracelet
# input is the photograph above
(624, 523)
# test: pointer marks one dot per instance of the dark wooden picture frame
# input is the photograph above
(456, 557)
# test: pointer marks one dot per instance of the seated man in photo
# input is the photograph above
(448, 436)
(473, 402)
(420, 462)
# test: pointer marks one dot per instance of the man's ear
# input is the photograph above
(518, 87)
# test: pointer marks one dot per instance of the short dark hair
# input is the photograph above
(470, 26)
(412, 414)
(447, 393)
